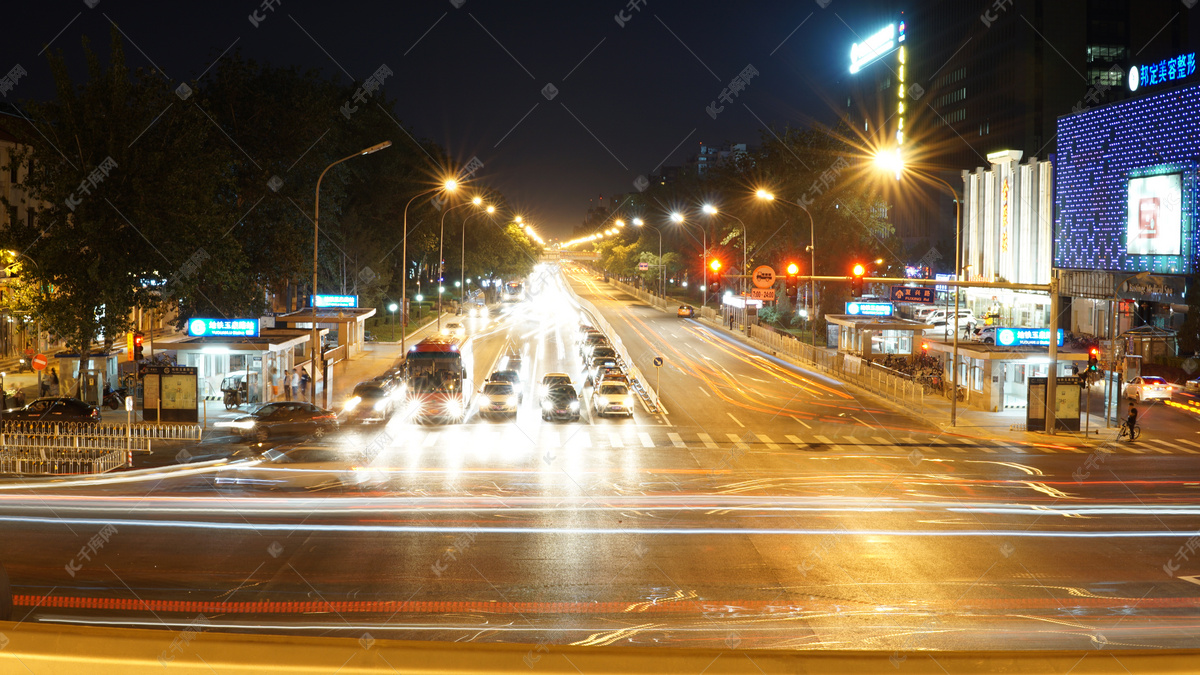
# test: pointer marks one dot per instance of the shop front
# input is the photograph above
(256, 365)
(996, 377)
(345, 327)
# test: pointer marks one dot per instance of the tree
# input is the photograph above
(1189, 332)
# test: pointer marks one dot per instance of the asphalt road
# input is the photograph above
(768, 508)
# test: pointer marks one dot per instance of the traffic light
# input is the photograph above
(714, 277)
(856, 284)
(1093, 360)
(791, 286)
(137, 346)
(715, 266)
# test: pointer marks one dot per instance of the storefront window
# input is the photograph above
(977, 374)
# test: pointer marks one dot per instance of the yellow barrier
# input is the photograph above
(48, 649)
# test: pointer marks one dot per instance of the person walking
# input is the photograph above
(305, 379)
(54, 381)
(293, 383)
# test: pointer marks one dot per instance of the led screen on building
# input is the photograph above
(1153, 224)
(1125, 188)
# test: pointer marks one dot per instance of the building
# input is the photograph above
(1125, 229)
(1007, 235)
(710, 156)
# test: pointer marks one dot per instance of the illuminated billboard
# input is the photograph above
(1154, 222)
(1125, 186)
(872, 49)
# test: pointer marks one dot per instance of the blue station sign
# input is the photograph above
(322, 301)
(1026, 337)
(222, 327)
(869, 308)
(923, 294)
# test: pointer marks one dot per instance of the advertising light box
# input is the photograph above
(1154, 224)
(1026, 337)
(222, 327)
(869, 308)
(322, 301)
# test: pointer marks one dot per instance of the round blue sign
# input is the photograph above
(198, 327)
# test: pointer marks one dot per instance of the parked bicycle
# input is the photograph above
(1128, 433)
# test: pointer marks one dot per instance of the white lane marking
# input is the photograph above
(430, 439)
(705, 392)
(795, 440)
(739, 423)
(855, 441)
(802, 422)
(676, 439)
(1134, 450)
(582, 440)
(708, 441)
(614, 440)
(646, 441)
(771, 445)
(824, 440)
(734, 438)
(1162, 451)
(1190, 442)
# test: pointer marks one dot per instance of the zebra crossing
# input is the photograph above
(642, 438)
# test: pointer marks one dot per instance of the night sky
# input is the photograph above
(469, 74)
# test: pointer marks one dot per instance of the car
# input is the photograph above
(686, 312)
(589, 339)
(561, 402)
(606, 351)
(371, 401)
(943, 320)
(586, 351)
(1148, 387)
(454, 329)
(986, 335)
(368, 336)
(597, 364)
(553, 379)
(308, 469)
(498, 398)
(282, 418)
(54, 409)
(612, 398)
(512, 377)
(610, 374)
(479, 311)
(1192, 384)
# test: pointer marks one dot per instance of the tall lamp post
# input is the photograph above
(314, 346)
(892, 162)
(448, 186)
(462, 263)
(712, 211)
(662, 291)
(812, 249)
(441, 248)
(678, 218)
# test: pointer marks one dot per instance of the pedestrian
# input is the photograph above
(304, 380)
(54, 381)
(293, 383)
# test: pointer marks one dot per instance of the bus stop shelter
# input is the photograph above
(872, 337)
(348, 324)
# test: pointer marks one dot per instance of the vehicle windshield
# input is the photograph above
(370, 390)
(497, 389)
(1154, 380)
(613, 389)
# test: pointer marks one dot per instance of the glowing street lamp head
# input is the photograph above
(763, 194)
(518, 219)
(620, 223)
(677, 217)
(710, 209)
(639, 222)
(890, 161)
(450, 185)
(491, 209)
(393, 307)
(477, 201)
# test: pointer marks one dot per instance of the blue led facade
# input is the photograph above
(1099, 152)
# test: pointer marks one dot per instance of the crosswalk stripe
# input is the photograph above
(1134, 450)
(955, 448)
(1071, 448)
(555, 438)
(824, 440)
(795, 440)
(431, 438)
(708, 441)
(881, 440)
(580, 440)
(1170, 445)
(1188, 442)
(771, 445)
(855, 441)
(646, 441)
(734, 438)
(615, 440)
(676, 439)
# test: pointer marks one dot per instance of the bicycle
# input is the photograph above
(1126, 434)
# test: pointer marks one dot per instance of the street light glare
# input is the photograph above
(491, 209)
(639, 222)
(763, 194)
(393, 307)
(620, 223)
(890, 161)
(710, 209)
(518, 219)
(477, 201)
(677, 217)
(450, 185)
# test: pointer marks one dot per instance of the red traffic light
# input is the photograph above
(137, 339)
(715, 265)
(1095, 351)
(859, 270)
(793, 269)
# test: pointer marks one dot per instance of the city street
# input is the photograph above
(770, 507)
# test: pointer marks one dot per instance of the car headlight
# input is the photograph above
(629, 402)
(546, 405)
(244, 424)
(454, 407)
(381, 404)
(574, 405)
(512, 400)
(602, 400)
(353, 403)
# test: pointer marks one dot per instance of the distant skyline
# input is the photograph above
(559, 101)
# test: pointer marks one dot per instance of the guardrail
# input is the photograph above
(61, 461)
(148, 430)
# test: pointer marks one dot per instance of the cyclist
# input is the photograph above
(1131, 421)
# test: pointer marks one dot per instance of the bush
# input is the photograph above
(768, 315)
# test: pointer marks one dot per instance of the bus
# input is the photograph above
(437, 370)
(514, 291)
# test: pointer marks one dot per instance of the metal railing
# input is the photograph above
(61, 461)
(145, 430)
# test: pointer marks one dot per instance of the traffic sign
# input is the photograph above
(762, 293)
(658, 361)
(924, 294)
(764, 277)
(643, 266)
(39, 362)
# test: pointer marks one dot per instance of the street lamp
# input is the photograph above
(662, 291)
(462, 263)
(712, 211)
(475, 201)
(450, 185)
(314, 346)
(392, 308)
(812, 250)
(678, 218)
(891, 161)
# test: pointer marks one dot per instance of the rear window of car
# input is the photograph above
(1154, 380)
(552, 380)
(563, 391)
(614, 389)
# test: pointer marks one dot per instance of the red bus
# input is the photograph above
(436, 370)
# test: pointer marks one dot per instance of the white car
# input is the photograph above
(1148, 387)
(498, 398)
(612, 398)
(553, 379)
(454, 329)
